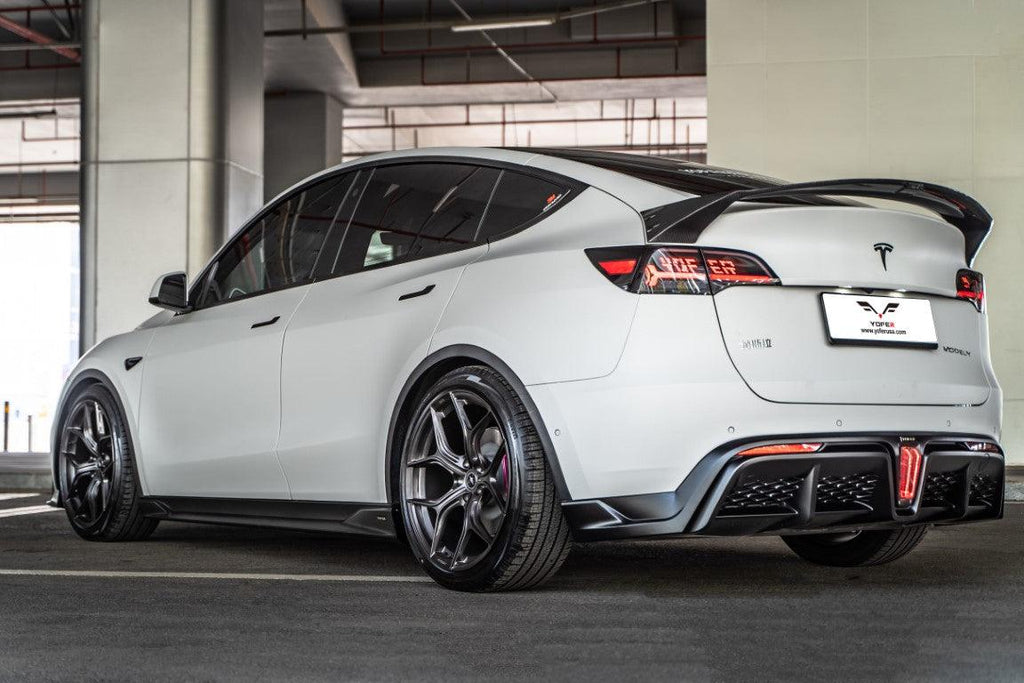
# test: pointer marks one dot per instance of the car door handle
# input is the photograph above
(412, 295)
(265, 323)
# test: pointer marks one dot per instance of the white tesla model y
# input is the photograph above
(488, 353)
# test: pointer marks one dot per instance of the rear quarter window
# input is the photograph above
(520, 199)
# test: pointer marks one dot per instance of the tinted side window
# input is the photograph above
(518, 199)
(281, 248)
(415, 210)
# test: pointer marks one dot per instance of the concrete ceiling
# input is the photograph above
(652, 50)
(37, 73)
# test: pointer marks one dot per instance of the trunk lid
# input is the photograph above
(778, 337)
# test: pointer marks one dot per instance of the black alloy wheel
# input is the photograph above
(478, 501)
(96, 470)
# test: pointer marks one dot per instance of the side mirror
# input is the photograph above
(170, 292)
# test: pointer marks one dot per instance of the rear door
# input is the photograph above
(871, 269)
(368, 322)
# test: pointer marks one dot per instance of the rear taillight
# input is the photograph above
(726, 268)
(679, 270)
(674, 271)
(970, 285)
(618, 264)
(910, 474)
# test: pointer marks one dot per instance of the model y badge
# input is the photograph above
(883, 249)
(889, 308)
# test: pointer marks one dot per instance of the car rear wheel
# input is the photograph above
(96, 470)
(478, 501)
(856, 549)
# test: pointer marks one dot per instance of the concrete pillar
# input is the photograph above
(810, 89)
(172, 154)
(303, 136)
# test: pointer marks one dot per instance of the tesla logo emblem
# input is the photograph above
(889, 308)
(883, 249)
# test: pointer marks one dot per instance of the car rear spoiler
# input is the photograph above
(685, 221)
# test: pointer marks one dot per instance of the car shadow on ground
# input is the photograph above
(961, 556)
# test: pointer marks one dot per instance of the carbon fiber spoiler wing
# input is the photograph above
(685, 221)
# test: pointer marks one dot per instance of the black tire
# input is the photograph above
(510, 514)
(99, 469)
(861, 549)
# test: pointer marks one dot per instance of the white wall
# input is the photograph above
(924, 89)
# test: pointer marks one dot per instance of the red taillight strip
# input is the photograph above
(970, 286)
(910, 474)
(742, 278)
(782, 449)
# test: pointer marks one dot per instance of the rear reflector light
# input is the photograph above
(970, 285)
(618, 266)
(782, 449)
(910, 474)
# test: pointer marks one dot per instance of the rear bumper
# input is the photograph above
(849, 485)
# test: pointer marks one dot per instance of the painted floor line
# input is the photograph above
(16, 496)
(79, 573)
(32, 510)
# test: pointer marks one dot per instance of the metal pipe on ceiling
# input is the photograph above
(28, 114)
(23, 47)
(523, 122)
(555, 45)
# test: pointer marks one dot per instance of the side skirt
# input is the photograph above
(365, 519)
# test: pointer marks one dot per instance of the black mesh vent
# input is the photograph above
(984, 490)
(941, 489)
(760, 497)
(850, 492)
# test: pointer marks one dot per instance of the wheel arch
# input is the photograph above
(432, 368)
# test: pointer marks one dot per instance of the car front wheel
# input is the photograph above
(96, 470)
(478, 501)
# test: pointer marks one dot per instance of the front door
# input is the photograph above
(210, 411)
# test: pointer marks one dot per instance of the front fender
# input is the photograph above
(105, 364)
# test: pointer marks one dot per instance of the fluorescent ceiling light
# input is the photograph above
(508, 23)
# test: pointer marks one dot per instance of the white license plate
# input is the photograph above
(859, 319)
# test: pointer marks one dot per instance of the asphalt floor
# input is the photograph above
(223, 603)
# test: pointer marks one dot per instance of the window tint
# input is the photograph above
(518, 199)
(415, 210)
(281, 248)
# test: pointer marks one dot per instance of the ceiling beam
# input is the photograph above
(38, 38)
(461, 25)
